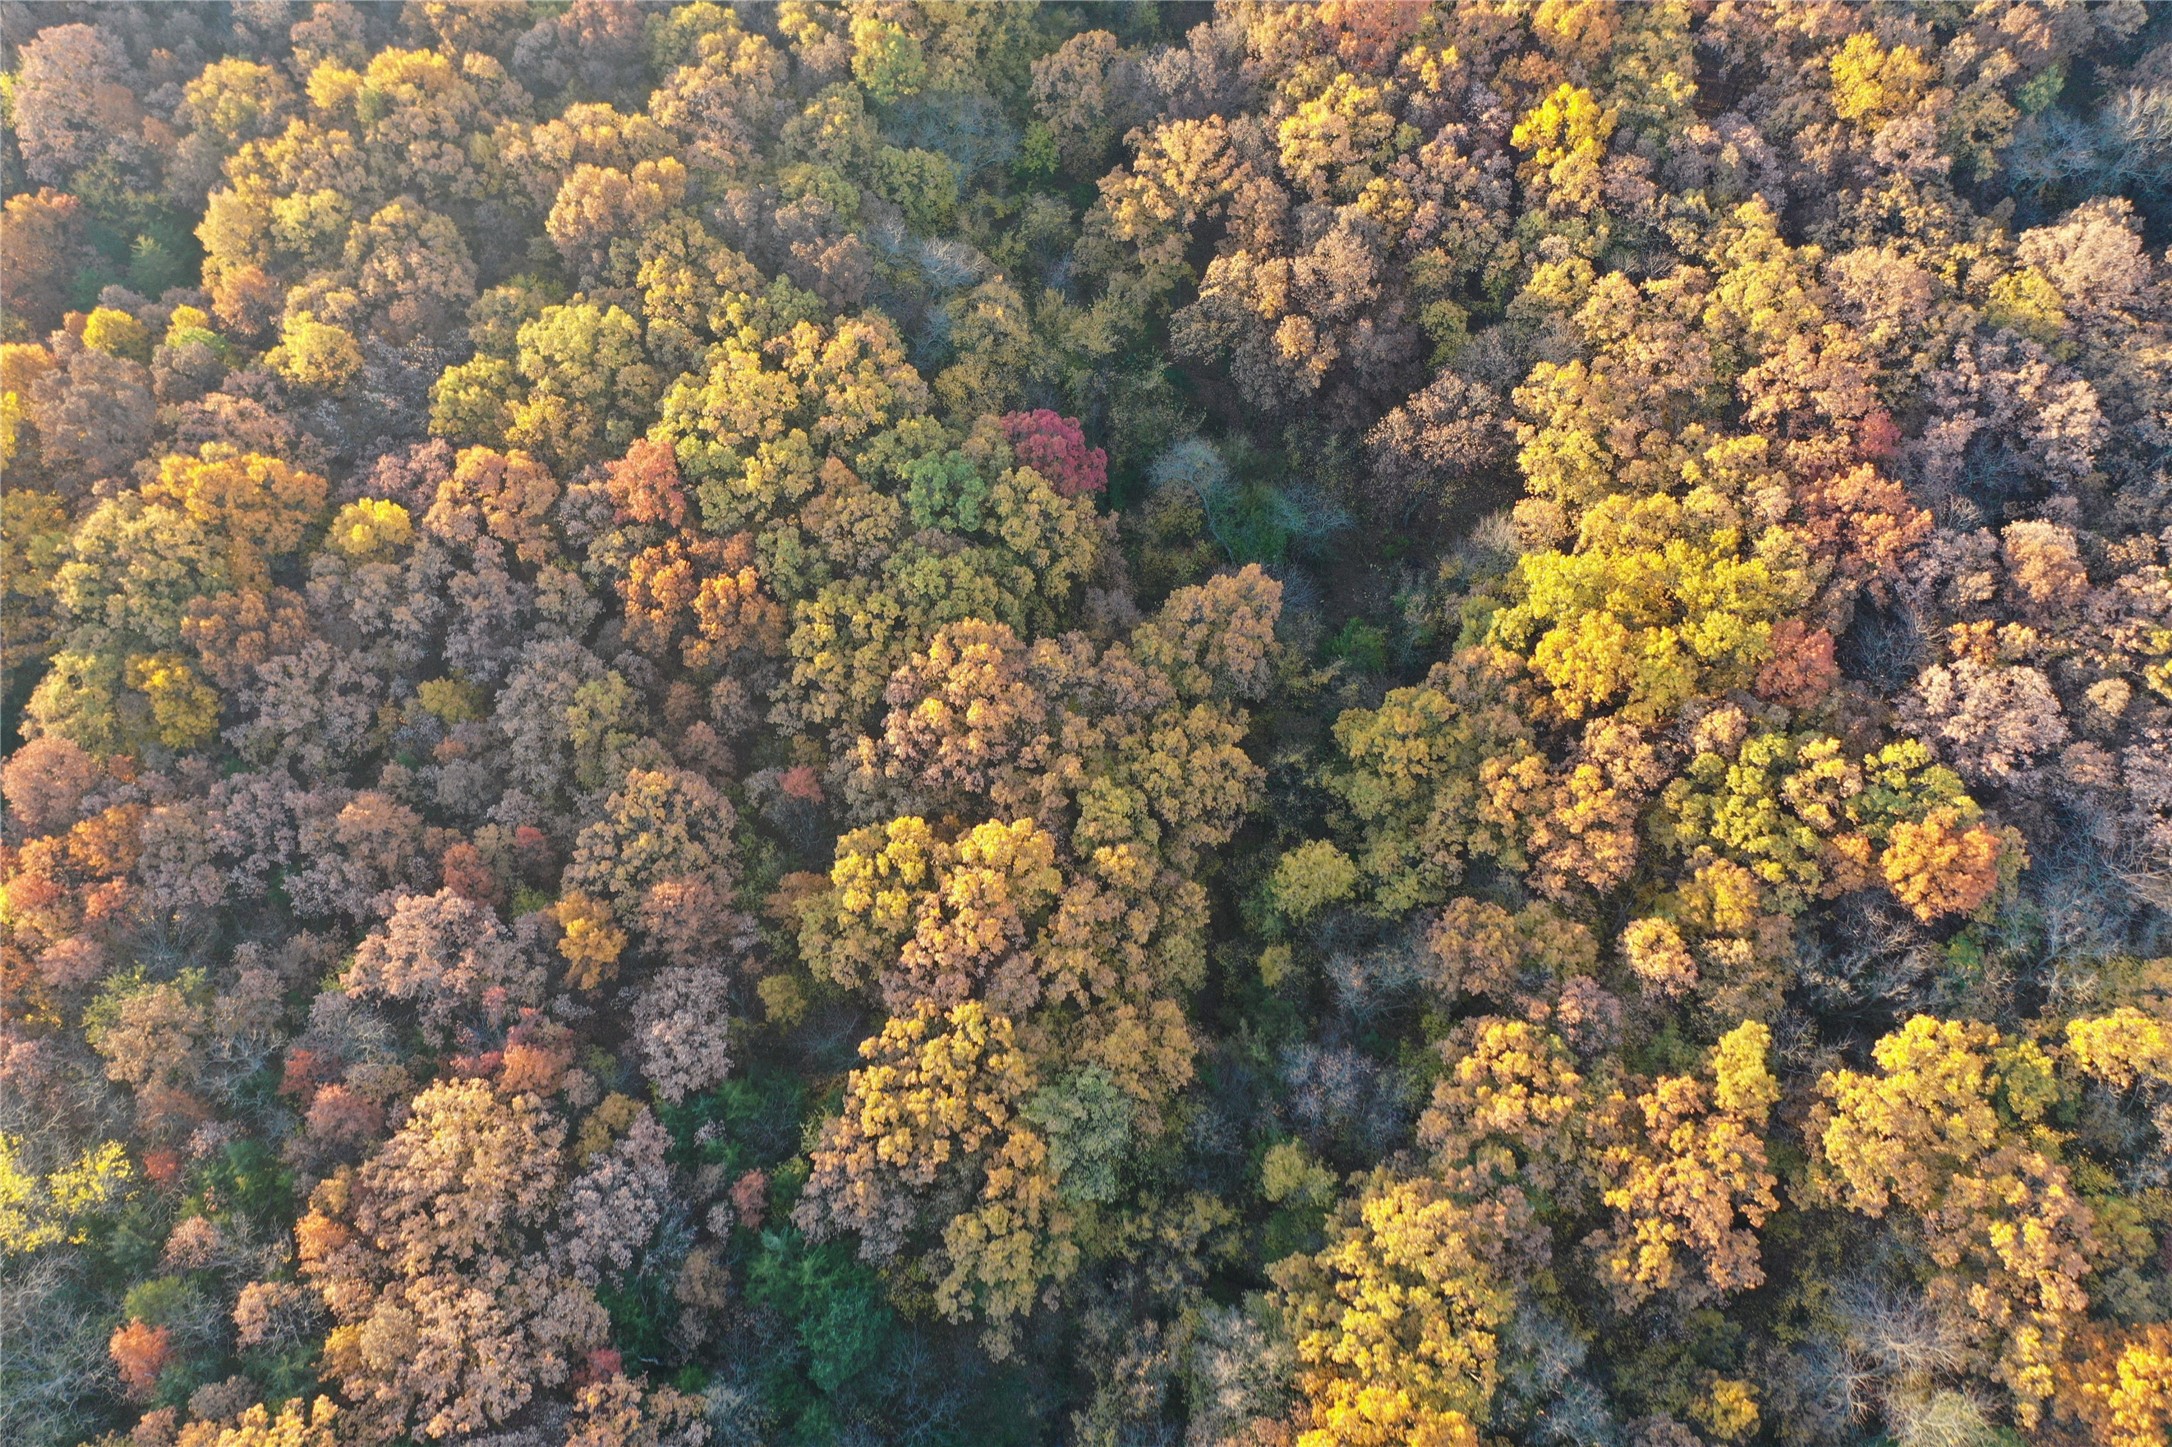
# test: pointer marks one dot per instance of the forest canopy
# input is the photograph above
(1243, 724)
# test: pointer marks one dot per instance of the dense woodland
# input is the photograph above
(934, 723)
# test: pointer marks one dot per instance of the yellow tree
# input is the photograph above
(1663, 600)
(935, 1110)
(1397, 1320)
(39, 1211)
(1944, 1131)
(2124, 1049)
(258, 506)
(1512, 1106)
(930, 920)
(2121, 1390)
(1438, 775)
(1687, 1180)
(294, 1425)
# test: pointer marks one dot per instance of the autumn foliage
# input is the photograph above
(1253, 724)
